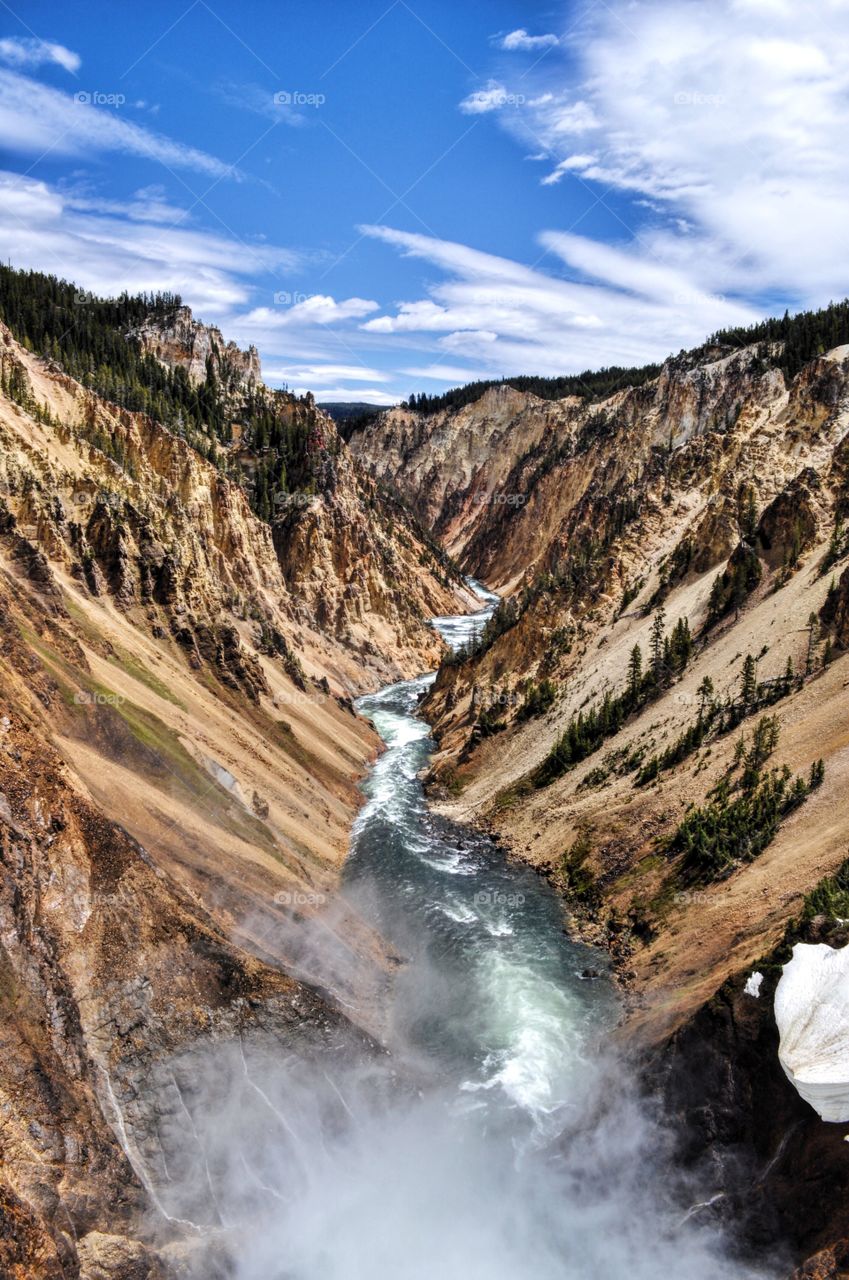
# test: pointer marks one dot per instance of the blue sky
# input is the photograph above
(395, 197)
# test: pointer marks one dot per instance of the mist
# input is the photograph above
(329, 1162)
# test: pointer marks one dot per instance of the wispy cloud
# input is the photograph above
(333, 381)
(309, 341)
(148, 204)
(727, 117)
(277, 106)
(510, 318)
(299, 311)
(493, 98)
(29, 51)
(445, 373)
(36, 119)
(521, 40)
(107, 247)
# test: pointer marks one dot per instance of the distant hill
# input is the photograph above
(343, 410)
(351, 415)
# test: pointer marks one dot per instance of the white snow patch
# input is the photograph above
(753, 985)
(812, 1013)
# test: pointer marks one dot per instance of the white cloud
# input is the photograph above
(106, 248)
(261, 102)
(311, 375)
(32, 52)
(296, 311)
(367, 395)
(524, 42)
(729, 119)
(471, 340)
(446, 373)
(36, 120)
(149, 204)
(509, 318)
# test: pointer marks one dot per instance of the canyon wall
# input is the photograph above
(700, 517)
(178, 766)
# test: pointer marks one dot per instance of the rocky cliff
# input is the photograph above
(179, 340)
(715, 494)
(178, 768)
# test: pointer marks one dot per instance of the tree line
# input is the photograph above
(91, 339)
(738, 823)
(669, 654)
(786, 342)
(590, 386)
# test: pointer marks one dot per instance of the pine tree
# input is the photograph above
(656, 643)
(705, 693)
(635, 674)
(749, 515)
(813, 630)
(749, 681)
(716, 599)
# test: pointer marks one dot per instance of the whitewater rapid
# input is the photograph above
(504, 1011)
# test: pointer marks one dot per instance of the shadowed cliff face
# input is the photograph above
(776, 1170)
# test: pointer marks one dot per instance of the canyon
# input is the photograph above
(214, 1000)
(712, 497)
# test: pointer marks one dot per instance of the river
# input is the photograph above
(500, 1139)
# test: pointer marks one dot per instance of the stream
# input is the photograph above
(501, 1139)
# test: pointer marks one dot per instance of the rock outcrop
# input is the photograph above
(182, 341)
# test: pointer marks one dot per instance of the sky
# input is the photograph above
(396, 197)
